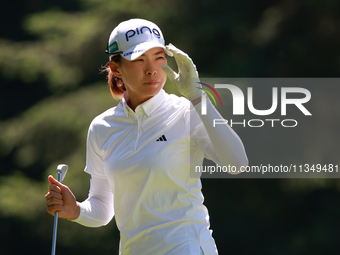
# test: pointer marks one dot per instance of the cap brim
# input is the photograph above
(138, 50)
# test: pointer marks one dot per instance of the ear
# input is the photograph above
(115, 69)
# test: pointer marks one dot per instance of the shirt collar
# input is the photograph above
(148, 106)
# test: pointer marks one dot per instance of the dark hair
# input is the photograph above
(116, 84)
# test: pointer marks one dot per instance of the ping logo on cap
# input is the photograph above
(113, 46)
(130, 33)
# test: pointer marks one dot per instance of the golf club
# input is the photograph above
(61, 171)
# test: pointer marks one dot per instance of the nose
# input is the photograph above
(151, 69)
(149, 72)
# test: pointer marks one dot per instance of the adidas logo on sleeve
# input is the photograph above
(162, 139)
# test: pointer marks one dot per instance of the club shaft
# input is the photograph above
(55, 225)
(54, 240)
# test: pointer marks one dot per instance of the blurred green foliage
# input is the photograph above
(51, 88)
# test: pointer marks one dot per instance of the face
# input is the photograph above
(143, 77)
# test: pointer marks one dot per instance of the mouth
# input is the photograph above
(152, 82)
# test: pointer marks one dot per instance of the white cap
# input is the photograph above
(133, 37)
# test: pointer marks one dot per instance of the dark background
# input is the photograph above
(51, 89)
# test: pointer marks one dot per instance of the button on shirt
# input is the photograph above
(146, 157)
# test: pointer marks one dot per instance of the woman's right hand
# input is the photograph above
(60, 198)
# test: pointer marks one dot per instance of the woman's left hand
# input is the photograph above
(186, 80)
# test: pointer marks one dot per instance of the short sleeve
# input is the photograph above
(94, 159)
(198, 135)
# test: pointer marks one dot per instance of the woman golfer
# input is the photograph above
(140, 154)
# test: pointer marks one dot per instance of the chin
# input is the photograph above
(154, 90)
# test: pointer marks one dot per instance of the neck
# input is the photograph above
(132, 102)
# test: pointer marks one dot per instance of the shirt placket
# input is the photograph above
(138, 131)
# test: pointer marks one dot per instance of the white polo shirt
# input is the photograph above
(145, 156)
